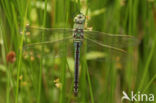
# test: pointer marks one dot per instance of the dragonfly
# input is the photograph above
(78, 34)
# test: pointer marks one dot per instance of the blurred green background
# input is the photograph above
(26, 79)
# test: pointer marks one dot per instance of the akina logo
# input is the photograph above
(137, 97)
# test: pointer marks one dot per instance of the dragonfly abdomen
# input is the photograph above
(77, 55)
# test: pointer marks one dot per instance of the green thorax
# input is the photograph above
(79, 22)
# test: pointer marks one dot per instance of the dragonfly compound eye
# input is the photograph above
(80, 19)
(80, 16)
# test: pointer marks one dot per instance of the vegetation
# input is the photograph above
(32, 78)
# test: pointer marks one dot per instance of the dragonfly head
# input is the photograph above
(80, 19)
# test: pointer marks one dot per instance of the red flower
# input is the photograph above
(11, 57)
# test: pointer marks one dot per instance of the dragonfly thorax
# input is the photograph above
(78, 35)
(79, 22)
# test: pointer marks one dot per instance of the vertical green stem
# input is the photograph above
(79, 6)
(8, 75)
(8, 85)
(147, 65)
(20, 54)
(41, 61)
(90, 86)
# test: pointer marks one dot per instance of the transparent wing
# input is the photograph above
(48, 46)
(102, 46)
(98, 55)
(97, 51)
(47, 40)
(115, 41)
(49, 30)
(36, 34)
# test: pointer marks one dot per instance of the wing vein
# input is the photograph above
(46, 42)
(107, 46)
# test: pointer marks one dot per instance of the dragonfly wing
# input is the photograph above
(45, 48)
(49, 39)
(100, 54)
(51, 53)
(50, 30)
(98, 51)
(113, 40)
(37, 34)
(108, 46)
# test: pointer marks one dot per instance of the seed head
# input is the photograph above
(11, 57)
